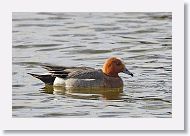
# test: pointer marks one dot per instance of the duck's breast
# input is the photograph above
(112, 82)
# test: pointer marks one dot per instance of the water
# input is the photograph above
(142, 40)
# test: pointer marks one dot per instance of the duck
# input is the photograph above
(85, 77)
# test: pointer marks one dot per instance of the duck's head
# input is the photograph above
(113, 66)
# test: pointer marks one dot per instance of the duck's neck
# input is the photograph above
(110, 74)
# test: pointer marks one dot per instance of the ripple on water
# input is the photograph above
(18, 85)
(19, 107)
(59, 114)
(91, 51)
(23, 46)
(38, 25)
(27, 19)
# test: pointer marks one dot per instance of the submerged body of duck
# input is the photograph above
(85, 76)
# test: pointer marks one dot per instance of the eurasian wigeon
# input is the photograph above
(85, 76)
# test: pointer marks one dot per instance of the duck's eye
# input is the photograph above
(118, 63)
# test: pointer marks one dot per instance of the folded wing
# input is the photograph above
(67, 72)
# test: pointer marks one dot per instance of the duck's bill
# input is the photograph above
(126, 71)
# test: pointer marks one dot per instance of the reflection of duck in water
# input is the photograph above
(85, 93)
(83, 77)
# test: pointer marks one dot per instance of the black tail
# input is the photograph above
(47, 79)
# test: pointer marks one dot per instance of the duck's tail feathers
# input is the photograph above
(47, 79)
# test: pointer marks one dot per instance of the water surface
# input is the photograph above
(142, 40)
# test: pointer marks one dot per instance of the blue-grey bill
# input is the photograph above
(126, 71)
